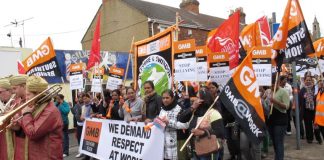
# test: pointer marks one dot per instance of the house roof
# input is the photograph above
(167, 15)
(162, 13)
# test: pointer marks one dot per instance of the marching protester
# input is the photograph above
(18, 84)
(41, 124)
(77, 111)
(211, 125)
(184, 99)
(99, 102)
(133, 107)
(6, 143)
(182, 134)
(115, 103)
(277, 122)
(265, 94)
(288, 88)
(307, 105)
(169, 115)
(319, 114)
(64, 109)
(213, 88)
(232, 134)
(87, 110)
(153, 102)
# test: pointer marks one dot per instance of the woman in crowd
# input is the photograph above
(169, 115)
(115, 103)
(133, 107)
(153, 102)
(307, 105)
(213, 89)
(212, 124)
(184, 99)
(277, 122)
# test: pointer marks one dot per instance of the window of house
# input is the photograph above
(189, 32)
(162, 27)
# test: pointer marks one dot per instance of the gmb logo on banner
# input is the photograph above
(92, 136)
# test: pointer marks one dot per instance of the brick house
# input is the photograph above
(123, 19)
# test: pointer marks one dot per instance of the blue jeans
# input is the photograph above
(277, 134)
(66, 139)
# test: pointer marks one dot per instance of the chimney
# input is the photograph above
(242, 14)
(190, 5)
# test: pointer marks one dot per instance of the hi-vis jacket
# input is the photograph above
(319, 115)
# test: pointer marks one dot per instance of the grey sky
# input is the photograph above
(66, 21)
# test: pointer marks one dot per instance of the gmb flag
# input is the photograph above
(319, 47)
(42, 62)
(241, 98)
(292, 37)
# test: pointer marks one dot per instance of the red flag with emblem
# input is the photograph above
(226, 39)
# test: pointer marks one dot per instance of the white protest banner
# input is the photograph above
(115, 78)
(261, 61)
(76, 76)
(219, 67)
(96, 85)
(185, 60)
(202, 63)
(119, 140)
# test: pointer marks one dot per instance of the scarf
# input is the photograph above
(309, 97)
(148, 97)
(170, 106)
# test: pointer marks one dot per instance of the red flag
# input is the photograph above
(21, 69)
(94, 56)
(226, 39)
(264, 30)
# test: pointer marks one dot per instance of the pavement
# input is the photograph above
(307, 151)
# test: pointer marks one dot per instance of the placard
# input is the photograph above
(115, 140)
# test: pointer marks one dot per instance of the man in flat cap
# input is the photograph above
(42, 124)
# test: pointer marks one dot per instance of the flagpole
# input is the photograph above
(128, 62)
(187, 88)
(175, 38)
(295, 90)
(274, 91)
(198, 123)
